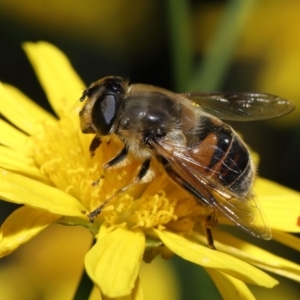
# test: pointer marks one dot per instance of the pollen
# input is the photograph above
(62, 154)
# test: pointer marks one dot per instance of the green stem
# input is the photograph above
(85, 286)
(219, 53)
(180, 35)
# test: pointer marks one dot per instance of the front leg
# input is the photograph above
(114, 161)
(117, 159)
(121, 156)
(96, 142)
(143, 171)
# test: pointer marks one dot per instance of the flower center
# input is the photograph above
(62, 153)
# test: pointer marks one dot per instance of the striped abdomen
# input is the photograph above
(222, 156)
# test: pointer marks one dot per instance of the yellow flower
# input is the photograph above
(45, 165)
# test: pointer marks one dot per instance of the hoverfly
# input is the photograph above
(184, 132)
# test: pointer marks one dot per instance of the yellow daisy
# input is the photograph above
(46, 166)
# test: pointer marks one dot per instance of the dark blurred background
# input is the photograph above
(180, 45)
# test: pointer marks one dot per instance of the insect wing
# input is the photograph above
(245, 213)
(241, 106)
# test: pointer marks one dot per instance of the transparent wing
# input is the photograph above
(241, 106)
(243, 212)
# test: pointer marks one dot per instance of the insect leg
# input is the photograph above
(92, 215)
(96, 142)
(211, 222)
(201, 196)
(143, 171)
(141, 174)
(210, 239)
(118, 158)
(114, 161)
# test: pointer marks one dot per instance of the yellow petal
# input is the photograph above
(13, 154)
(136, 294)
(16, 161)
(114, 261)
(60, 82)
(209, 258)
(230, 287)
(20, 110)
(254, 255)
(23, 224)
(287, 239)
(22, 190)
(12, 137)
(280, 204)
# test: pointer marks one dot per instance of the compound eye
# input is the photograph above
(104, 113)
(114, 86)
